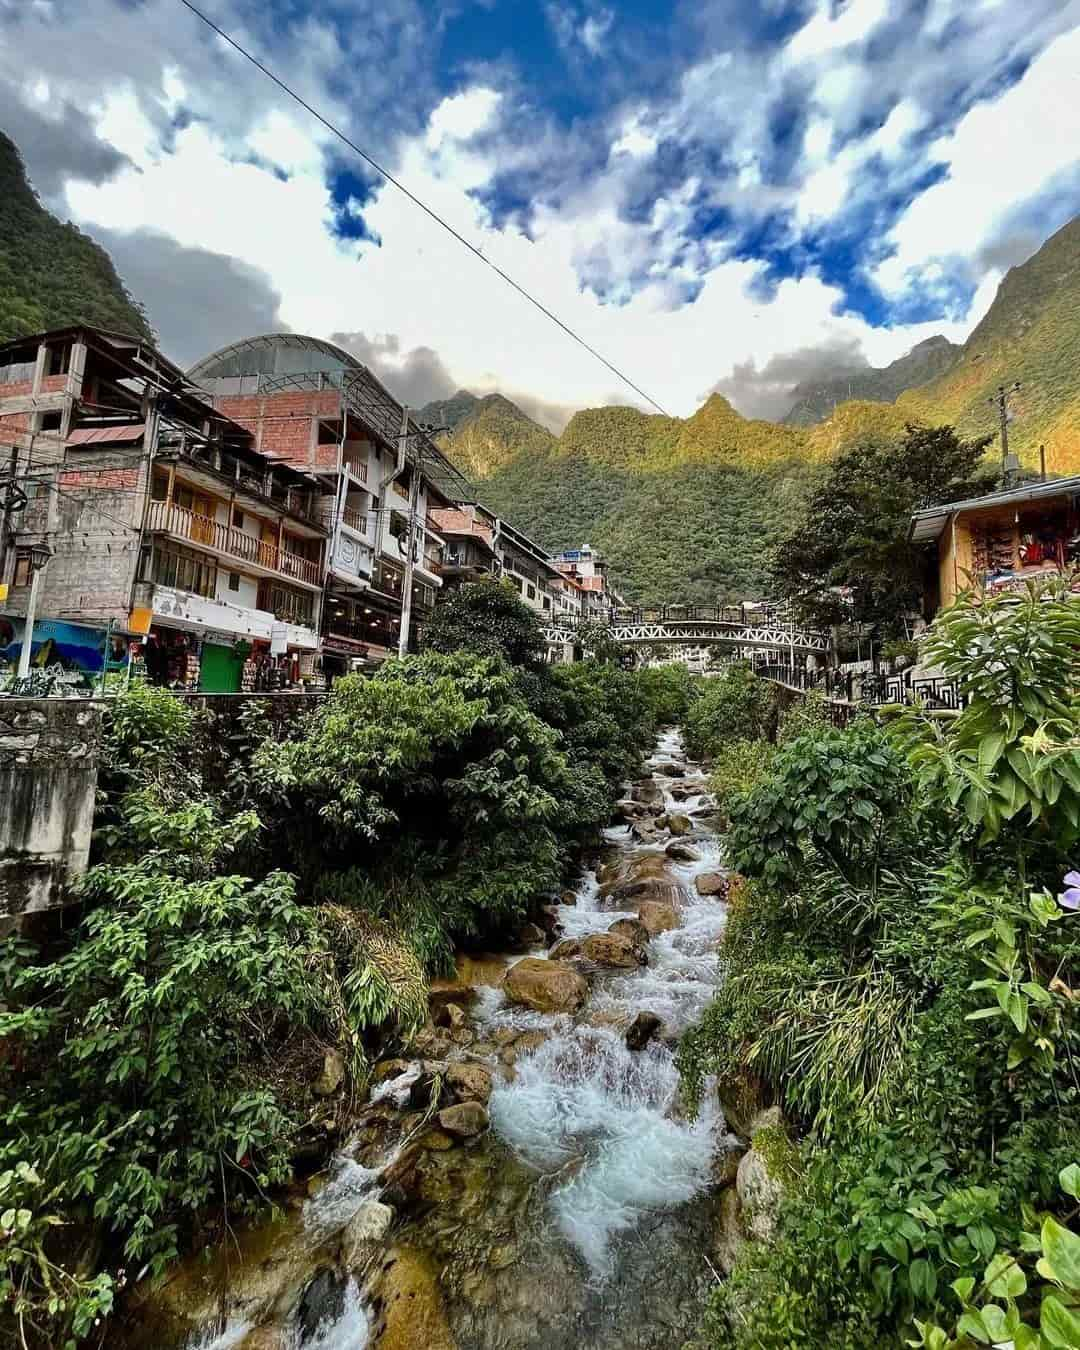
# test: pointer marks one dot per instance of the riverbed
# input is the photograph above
(584, 1213)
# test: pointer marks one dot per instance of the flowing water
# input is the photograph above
(586, 1214)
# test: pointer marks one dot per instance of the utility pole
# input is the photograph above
(1000, 400)
(406, 597)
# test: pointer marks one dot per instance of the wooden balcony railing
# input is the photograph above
(356, 520)
(167, 518)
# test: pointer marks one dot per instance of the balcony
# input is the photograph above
(355, 519)
(254, 480)
(230, 543)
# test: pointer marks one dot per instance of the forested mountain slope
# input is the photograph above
(814, 400)
(51, 274)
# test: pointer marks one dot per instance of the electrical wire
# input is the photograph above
(417, 201)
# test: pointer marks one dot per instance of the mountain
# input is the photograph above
(485, 432)
(448, 412)
(814, 400)
(51, 274)
(1031, 334)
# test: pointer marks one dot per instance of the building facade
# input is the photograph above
(175, 544)
(1001, 540)
(312, 406)
(588, 571)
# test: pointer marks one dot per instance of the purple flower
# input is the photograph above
(1070, 897)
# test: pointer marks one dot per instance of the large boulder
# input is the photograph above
(671, 770)
(464, 1121)
(647, 791)
(609, 949)
(679, 824)
(469, 1082)
(545, 986)
(331, 1076)
(370, 1224)
(711, 883)
(633, 930)
(681, 852)
(657, 917)
(442, 996)
(641, 1031)
(765, 1174)
(565, 950)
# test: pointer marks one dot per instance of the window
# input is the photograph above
(181, 568)
(234, 581)
(238, 518)
(58, 359)
(547, 602)
(159, 488)
(23, 569)
(531, 593)
(286, 605)
(50, 421)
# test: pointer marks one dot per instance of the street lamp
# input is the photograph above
(39, 560)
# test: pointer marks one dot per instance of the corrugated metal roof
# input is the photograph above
(106, 435)
(930, 523)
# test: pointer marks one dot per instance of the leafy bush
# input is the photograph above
(488, 618)
(1009, 762)
(844, 796)
(738, 767)
(734, 705)
(804, 717)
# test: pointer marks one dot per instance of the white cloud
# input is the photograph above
(595, 29)
(1001, 153)
(826, 32)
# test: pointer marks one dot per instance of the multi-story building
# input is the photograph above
(589, 571)
(309, 404)
(173, 540)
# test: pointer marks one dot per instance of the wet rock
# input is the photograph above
(711, 883)
(524, 1044)
(530, 935)
(671, 770)
(729, 1237)
(652, 865)
(441, 997)
(430, 1043)
(369, 1225)
(429, 1087)
(633, 930)
(643, 833)
(657, 917)
(389, 1068)
(641, 1031)
(679, 824)
(656, 809)
(682, 852)
(469, 1082)
(463, 1035)
(464, 1121)
(610, 949)
(565, 950)
(322, 1301)
(647, 792)
(436, 1142)
(545, 986)
(456, 1017)
(609, 872)
(409, 1307)
(505, 1035)
(631, 810)
(264, 1338)
(332, 1075)
(550, 919)
(725, 1167)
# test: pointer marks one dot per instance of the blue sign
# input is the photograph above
(72, 646)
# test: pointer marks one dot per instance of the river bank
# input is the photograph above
(521, 1176)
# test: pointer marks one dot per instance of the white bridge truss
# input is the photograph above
(700, 633)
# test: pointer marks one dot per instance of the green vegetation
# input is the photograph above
(486, 617)
(815, 400)
(734, 705)
(848, 557)
(900, 974)
(247, 912)
(51, 274)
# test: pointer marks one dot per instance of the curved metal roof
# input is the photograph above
(273, 354)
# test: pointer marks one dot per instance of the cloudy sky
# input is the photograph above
(730, 194)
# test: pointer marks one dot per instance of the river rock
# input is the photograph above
(631, 810)
(643, 833)
(524, 1044)
(368, 1225)
(671, 770)
(464, 1121)
(565, 950)
(729, 1238)
(711, 883)
(389, 1068)
(610, 949)
(641, 1031)
(647, 792)
(633, 930)
(439, 998)
(679, 824)
(545, 986)
(322, 1301)
(332, 1075)
(550, 919)
(408, 1305)
(657, 917)
(456, 1017)
(652, 865)
(682, 852)
(760, 1190)
(264, 1338)
(469, 1082)
(530, 935)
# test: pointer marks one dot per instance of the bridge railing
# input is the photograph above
(875, 688)
(742, 615)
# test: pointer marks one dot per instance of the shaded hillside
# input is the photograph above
(815, 400)
(448, 412)
(1031, 333)
(51, 274)
(487, 433)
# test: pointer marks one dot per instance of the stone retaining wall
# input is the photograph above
(49, 751)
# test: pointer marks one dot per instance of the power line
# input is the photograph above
(385, 173)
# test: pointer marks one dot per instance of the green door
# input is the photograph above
(220, 670)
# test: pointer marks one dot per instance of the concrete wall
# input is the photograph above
(49, 752)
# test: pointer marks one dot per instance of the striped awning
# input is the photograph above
(106, 435)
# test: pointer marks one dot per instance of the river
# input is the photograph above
(585, 1215)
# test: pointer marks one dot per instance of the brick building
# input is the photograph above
(173, 539)
(309, 404)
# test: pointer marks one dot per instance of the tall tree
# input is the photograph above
(848, 558)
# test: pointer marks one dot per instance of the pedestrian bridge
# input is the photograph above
(757, 626)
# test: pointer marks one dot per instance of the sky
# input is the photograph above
(718, 195)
